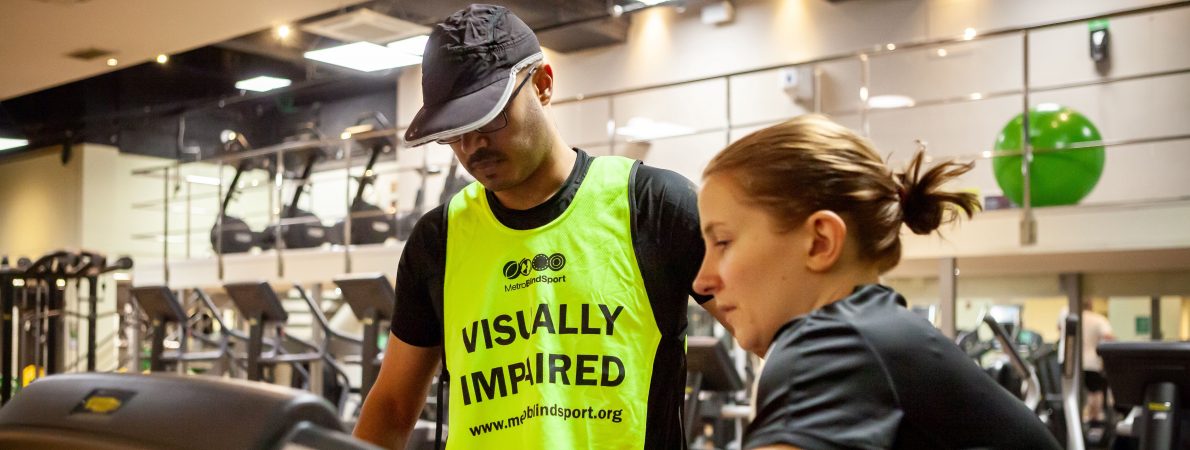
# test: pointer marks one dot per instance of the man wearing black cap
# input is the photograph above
(556, 287)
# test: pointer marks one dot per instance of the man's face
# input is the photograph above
(506, 158)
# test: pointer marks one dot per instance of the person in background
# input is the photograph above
(800, 220)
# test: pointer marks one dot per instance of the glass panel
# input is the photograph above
(686, 155)
(583, 123)
(947, 71)
(762, 97)
(671, 111)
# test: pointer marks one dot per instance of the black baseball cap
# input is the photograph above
(468, 69)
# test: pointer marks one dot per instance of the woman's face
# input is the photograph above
(756, 272)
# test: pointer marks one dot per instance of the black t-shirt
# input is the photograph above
(669, 251)
(864, 372)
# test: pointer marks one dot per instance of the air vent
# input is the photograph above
(88, 54)
(365, 25)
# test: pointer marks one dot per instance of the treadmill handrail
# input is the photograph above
(323, 323)
(1027, 373)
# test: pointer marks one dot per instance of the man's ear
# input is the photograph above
(543, 80)
(827, 232)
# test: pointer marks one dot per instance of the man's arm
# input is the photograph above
(396, 400)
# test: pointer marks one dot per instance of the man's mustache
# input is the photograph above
(481, 156)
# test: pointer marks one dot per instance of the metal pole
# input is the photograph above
(1072, 355)
(1028, 222)
(275, 213)
(165, 226)
(219, 221)
(865, 81)
(817, 89)
(1155, 318)
(347, 198)
(947, 295)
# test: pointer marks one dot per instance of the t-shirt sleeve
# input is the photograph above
(415, 320)
(668, 202)
(824, 388)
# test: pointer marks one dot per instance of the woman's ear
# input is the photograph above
(827, 232)
(543, 80)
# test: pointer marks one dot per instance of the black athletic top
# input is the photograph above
(669, 250)
(864, 372)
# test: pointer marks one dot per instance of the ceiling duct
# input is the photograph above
(365, 25)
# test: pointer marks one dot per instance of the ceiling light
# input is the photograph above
(890, 102)
(111, 62)
(969, 34)
(646, 129)
(976, 96)
(283, 31)
(1048, 107)
(414, 46)
(162, 58)
(891, 46)
(942, 53)
(364, 57)
(262, 83)
(9, 143)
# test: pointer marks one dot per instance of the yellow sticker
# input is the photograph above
(31, 373)
(1158, 406)
(102, 405)
(104, 401)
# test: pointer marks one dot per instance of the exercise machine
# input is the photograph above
(298, 228)
(231, 234)
(1153, 379)
(124, 411)
(369, 223)
(371, 299)
(711, 379)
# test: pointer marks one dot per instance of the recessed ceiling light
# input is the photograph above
(969, 34)
(162, 58)
(262, 83)
(942, 52)
(364, 56)
(414, 46)
(890, 102)
(111, 62)
(283, 31)
(646, 129)
(9, 143)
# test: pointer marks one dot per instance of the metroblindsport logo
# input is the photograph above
(540, 263)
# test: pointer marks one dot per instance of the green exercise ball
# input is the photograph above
(1059, 177)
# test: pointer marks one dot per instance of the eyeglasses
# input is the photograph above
(500, 121)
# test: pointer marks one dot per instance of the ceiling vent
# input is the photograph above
(365, 25)
(87, 54)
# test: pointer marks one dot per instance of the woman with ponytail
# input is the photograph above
(800, 221)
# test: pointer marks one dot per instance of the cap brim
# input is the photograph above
(457, 116)
(466, 113)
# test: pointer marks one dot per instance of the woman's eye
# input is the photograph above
(722, 243)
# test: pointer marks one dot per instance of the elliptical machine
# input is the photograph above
(299, 228)
(232, 234)
(369, 223)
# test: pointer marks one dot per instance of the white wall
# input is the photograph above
(40, 203)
